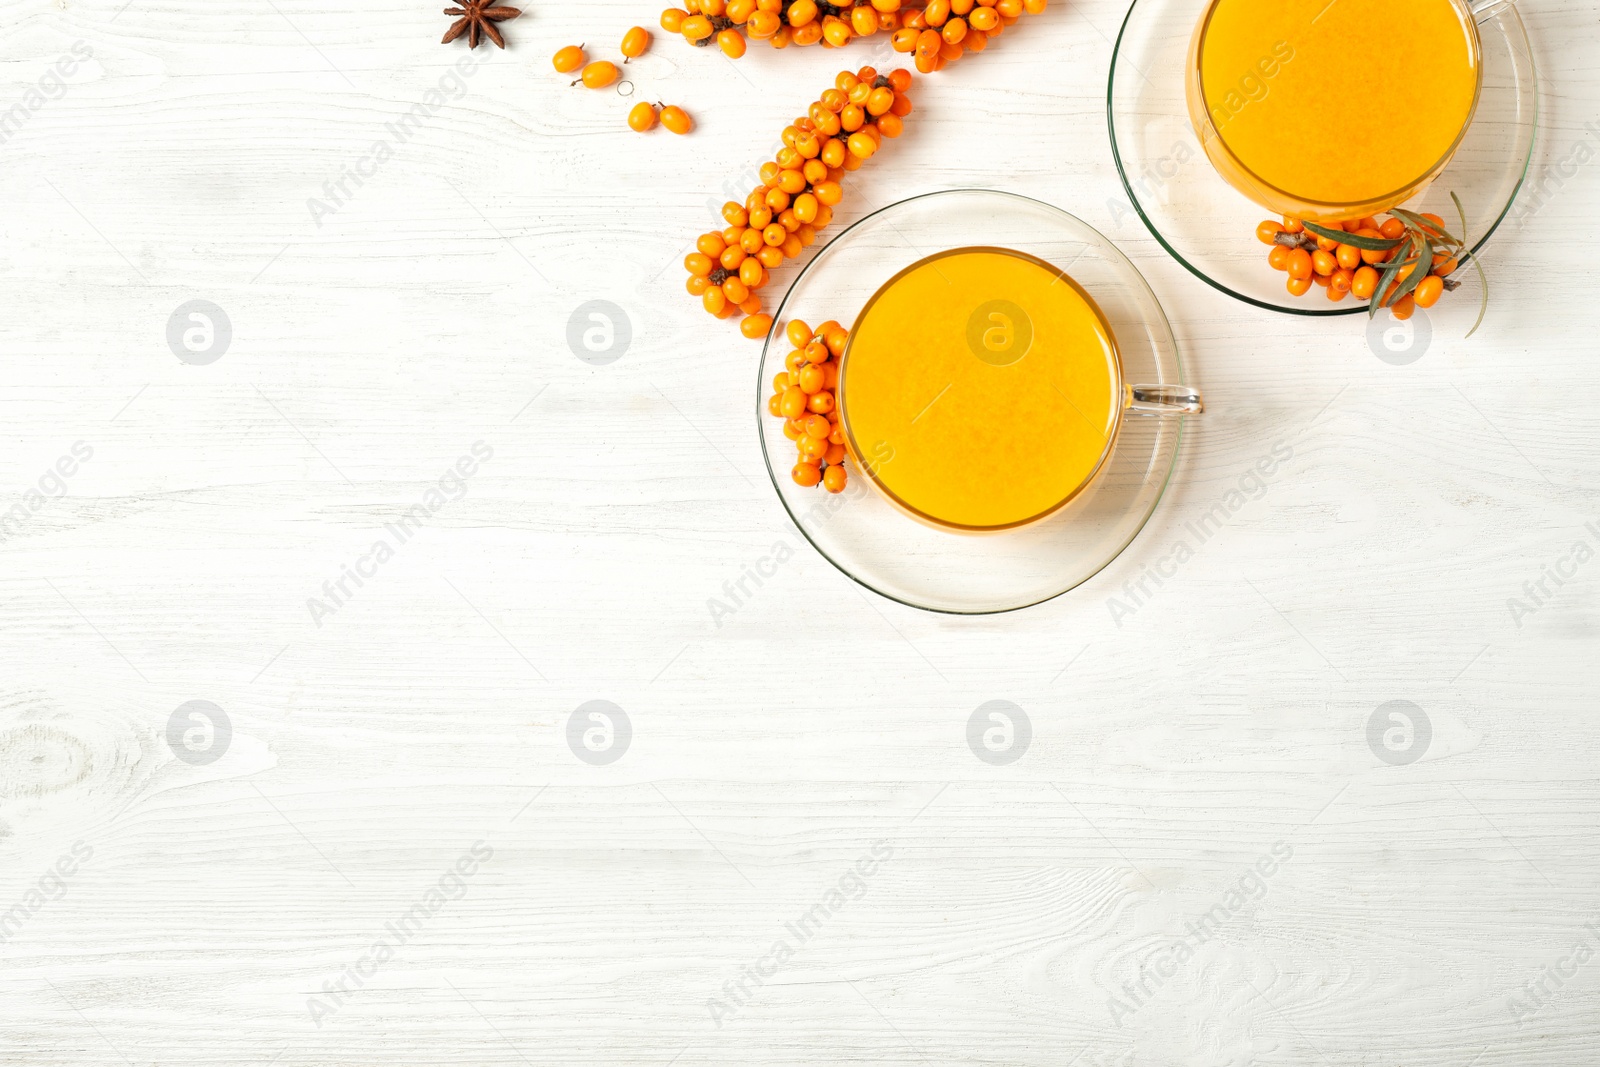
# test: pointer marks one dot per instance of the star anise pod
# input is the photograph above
(477, 19)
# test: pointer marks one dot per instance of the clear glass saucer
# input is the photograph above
(884, 549)
(1209, 226)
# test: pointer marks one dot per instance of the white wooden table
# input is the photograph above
(1198, 860)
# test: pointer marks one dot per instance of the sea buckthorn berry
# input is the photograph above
(835, 454)
(1429, 290)
(755, 327)
(768, 256)
(780, 382)
(772, 405)
(1278, 258)
(794, 402)
(1323, 262)
(696, 28)
(732, 257)
(1435, 227)
(862, 145)
(812, 449)
(734, 214)
(836, 339)
(774, 234)
(798, 333)
(735, 290)
(821, 402)
(732, 43)
(676, 119)
(599, 74)
(834, 478)
(810, 379)
(1267, 232)
(1342, 279)
(1404, 308)
(1299, 264)
(697, 263)
(672, 19)
(1293, 225)
(569, 59)
(635, 42)
(1364, 283)
(807, 474)
(1299, 286)
(1392, 228)
(715, 300)
(984, 20)
(752, 273)
(1368, 256)
(1326, 244)
(1349, 256)
(1335, 293)
(816, 352)
(711, 244)
(697, 284)
(900, 80)
(642, 118)
(802, 12)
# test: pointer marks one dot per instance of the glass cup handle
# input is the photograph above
(1162, 400)
(1484, 10)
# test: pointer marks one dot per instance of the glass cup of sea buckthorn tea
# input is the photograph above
(982, 389)
(1272, 98)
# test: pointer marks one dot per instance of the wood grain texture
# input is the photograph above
(1026, 914)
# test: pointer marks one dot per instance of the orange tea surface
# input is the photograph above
(1339, 102)
(979, 388)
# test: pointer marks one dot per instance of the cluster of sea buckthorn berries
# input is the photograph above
(803, 395)
(957, 26)
(603, 72)
(1387, 249)
(797, 194)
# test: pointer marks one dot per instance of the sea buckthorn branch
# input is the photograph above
(1373, 260)
(798, 192)
(937, 31)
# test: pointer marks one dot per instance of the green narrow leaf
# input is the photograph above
(1483, 279)
(1386, 279)
(1368, 244)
